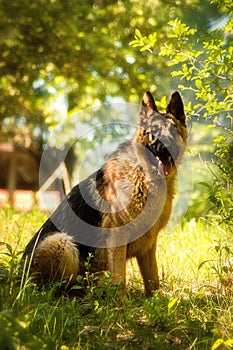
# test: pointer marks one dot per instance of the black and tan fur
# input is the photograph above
(128, 201)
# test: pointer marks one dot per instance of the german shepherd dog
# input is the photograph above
(117, 212)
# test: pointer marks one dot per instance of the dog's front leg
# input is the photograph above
(117, 267)
(149, 270)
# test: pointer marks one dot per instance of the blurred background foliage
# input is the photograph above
(61, 61)
(77, 53)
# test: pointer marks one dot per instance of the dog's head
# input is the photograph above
(163, 134)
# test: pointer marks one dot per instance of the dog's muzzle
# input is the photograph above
(165, 154)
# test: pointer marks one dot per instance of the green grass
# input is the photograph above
(193, 309)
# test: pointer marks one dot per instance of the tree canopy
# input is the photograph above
(75, 53)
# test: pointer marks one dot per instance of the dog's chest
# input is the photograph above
(155, 216)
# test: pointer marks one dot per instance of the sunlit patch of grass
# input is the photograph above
(17, 228)
(193, 309)
(181, 254)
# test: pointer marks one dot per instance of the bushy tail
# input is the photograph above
(56, 258)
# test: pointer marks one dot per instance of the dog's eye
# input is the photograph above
(156, 130)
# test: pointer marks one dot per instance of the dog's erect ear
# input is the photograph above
(176, 107)
(148, 107)
(148, 102)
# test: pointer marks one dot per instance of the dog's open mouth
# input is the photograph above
(165, 161)
(165, 165)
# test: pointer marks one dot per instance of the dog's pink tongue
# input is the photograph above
(164, 169)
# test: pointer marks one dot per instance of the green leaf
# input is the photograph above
(135, 43)
(176, 74)
(203, 263)
(172, 303)
(9, 248)
(185, 68)
(76, 287)
(205, 184)
(198, 84)
(217, 344)
(229, 343)
(138, 34)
